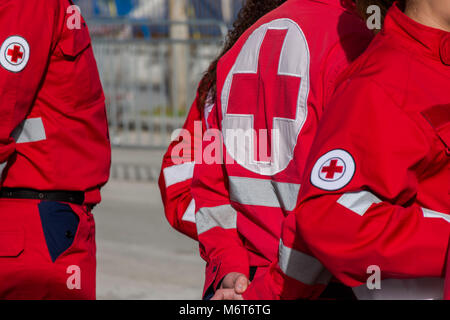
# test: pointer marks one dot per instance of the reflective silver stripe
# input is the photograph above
(208, 109)
(427, 213)
(222, 216)
(302, 267)
(267, 193)
(358, 202)
(189, 214)
(2, 167)
(404, 289)
(178, 173)
(30, 130)
(414, 289)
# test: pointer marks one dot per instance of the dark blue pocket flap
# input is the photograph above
(60, 225)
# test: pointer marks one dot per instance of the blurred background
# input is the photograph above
(151, 55)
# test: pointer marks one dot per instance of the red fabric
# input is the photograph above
(26, 269)
(335, 36)
(391, 115)
(273, 284)
(53, 136)
(401, 157)
(177, 197)
(60, 85)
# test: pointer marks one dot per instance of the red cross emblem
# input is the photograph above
(333, 169)
(267, 94)
(15, 53)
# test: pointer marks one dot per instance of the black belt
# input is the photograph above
(75, 197)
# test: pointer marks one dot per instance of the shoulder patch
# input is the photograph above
(14, 54)
(333, 171)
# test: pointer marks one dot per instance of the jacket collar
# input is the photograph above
(435, 41)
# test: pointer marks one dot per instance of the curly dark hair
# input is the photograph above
(250, 13)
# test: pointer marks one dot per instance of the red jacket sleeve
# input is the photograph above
(177, 171)
(220, 244)
(28, 34)
(296, 274)
(359, 200)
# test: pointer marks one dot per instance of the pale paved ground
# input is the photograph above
(139, 255)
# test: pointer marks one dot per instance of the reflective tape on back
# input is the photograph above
(302, 267)
(30, 130)
(224, 217)
(403, 289)
(267, 193)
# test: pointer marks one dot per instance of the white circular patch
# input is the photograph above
(333, 171)
(14, 54)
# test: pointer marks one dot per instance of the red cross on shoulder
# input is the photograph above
(332, 169)
(15, 53)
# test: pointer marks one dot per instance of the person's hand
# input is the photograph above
(236, 281)
(227, 294)
(232, 287)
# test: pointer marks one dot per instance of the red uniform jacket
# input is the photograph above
(53, 127)
(272, 87)
(375, 200)
(177, 170)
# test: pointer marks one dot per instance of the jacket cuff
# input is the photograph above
(259, 290)
(231, 265)
(275, 285)
(220, 266)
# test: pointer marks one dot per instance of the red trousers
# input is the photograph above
(47, 250)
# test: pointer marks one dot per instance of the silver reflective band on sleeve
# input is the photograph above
(261, 192)
(222, 216)
(403, 289)
(178, 173)
(2, 167)
(427, 213)
(30, 130)
(358, 202)
(189, 214)
(302, 267)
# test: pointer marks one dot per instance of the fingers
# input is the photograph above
(241, 284)
(223, 294)
(226, 294)
(229, 281)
